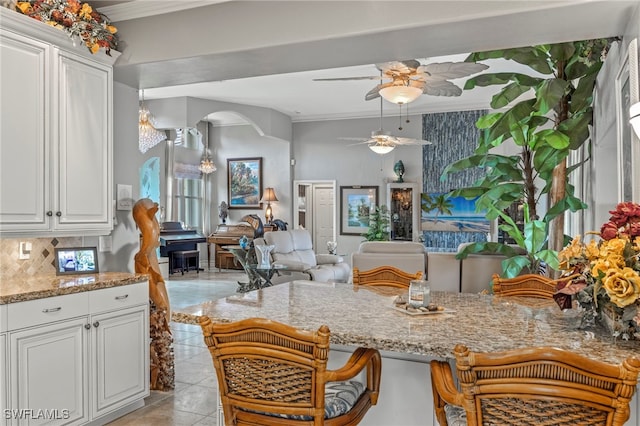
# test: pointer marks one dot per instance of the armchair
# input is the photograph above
(294, 250)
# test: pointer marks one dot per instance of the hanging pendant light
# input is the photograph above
(148, 135)
(206, 164)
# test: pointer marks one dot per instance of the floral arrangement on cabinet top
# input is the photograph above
(604, 276)
(76, 18)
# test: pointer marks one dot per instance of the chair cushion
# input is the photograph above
(294, 245)
(339, 399)
(456, 416)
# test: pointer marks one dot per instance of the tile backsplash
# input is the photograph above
(41, 259)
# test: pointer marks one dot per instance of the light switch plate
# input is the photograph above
(105, 243)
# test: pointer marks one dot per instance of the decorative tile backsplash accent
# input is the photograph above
(41, 259)
(454, 136)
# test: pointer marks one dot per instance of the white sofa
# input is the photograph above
(294, 249)
(409, 257)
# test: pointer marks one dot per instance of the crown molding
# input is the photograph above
(135, 9)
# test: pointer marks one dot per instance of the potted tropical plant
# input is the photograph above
(378, 224)
(545, 127)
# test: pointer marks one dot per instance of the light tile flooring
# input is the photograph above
(193, 401)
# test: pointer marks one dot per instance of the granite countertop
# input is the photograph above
(30, 287)
(365, 317)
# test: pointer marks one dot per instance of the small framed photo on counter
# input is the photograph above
(76, 260)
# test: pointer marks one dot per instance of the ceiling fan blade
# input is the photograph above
(368, 77)
(441, 88)
(410, 141)
(449, 70)
(349, 138)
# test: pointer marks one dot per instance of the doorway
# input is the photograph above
(315, 210)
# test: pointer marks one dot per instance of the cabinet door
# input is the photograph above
(49, 380)
(4, 382)
(24, 143)
(120, 358)
(84, 153)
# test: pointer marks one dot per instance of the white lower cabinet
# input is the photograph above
(88, 369)
(4, 373)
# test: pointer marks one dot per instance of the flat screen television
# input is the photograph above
(76, 260)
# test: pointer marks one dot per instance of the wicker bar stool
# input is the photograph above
(274, 374)
(533, 386)
(528, 285)
(384, 276)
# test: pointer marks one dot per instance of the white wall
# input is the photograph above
(320, 155)
(242, 142)
(604, 164)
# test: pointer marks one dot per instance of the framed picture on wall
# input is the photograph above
(626, 95)
(244, 183)
(355, 204)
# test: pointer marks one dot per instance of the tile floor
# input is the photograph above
(193, 401)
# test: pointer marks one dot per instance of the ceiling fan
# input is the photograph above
(410, 79)
(382, 141)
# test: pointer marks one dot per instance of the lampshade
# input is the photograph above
(634, 118)
(400, 94)
(268, 195)
(381, 149)
(206, 166)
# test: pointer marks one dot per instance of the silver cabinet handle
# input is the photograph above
(122, 297)
(96, 324)
(46, 311)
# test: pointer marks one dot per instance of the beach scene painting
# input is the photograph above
(461, 216)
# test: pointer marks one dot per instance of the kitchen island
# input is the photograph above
(366, 317)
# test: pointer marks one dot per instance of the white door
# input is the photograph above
(324, 216)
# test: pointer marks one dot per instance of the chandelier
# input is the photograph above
(206, 166)
(148, 135)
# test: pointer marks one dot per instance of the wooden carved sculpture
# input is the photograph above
(146, 262)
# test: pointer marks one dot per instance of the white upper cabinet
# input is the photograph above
(56, 146)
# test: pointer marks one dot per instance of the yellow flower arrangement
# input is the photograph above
(605, 275)
(76, 18)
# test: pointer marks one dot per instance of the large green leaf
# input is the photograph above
(562, 51)
(487, 121)
(518, 112)
(577, 128)
(535, 235)
(549, 94)
(582, 96)
(508, 94)
(486, 248)
(550, 257)
(500, 78)
(554, 138)
(514, 265)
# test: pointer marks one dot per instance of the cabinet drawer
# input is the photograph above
(118, 297)
(49, 309)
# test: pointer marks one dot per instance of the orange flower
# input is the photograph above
(25, 7)
(85, 12)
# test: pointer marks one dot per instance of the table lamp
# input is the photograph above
(268, 196)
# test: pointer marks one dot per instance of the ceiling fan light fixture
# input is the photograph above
(400, 94)
(381, 149)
